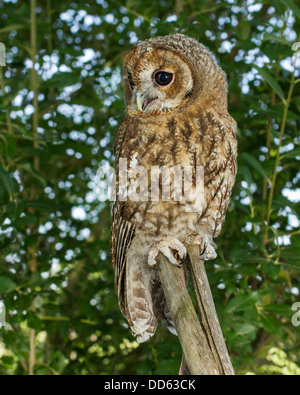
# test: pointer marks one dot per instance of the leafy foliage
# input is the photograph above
(58, 120)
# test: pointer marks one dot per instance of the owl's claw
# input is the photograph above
(165, 248)
(207, 246)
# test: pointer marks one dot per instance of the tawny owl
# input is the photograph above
(176, 118)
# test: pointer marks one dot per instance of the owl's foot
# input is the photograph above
(171, 248)
(207, 246)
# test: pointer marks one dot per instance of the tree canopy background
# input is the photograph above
(61, 104)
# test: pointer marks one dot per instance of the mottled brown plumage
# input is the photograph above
(183, 123)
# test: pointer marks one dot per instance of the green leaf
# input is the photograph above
(244, 170)
(271, 82)
(279, 309)
(6, 285)
(270, 324)
(9, 28)
(10, 144)
(290, 255)
(6, 182)
(255, 164)
(272, 270)
(292, 154)
(82, 148)
(242, 302)
(290, 4)
(30, 169)
(256, 241)
(43, 205)
(244, 31)
(61, 80)
(245, 329)
(9, 107)
(269, 37)
(26, 221)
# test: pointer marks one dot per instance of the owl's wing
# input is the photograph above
(119, 139)
(122, 234)
(122, 231)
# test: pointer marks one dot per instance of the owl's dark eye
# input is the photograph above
(131, 82)
(163, 78)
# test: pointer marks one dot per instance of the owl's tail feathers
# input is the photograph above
(138, 303)
(161, 309)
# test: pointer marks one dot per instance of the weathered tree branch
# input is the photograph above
(207, 312)
(202, 344)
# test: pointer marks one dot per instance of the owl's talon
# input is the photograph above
(165, 247)
(207, 246)
(209, 253)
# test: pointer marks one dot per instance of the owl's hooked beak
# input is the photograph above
(142, 104)
(139, 102)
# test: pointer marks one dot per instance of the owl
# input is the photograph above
(176, 128)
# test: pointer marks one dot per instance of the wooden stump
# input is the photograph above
(202, 342)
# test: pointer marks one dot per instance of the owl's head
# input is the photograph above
(164, 74)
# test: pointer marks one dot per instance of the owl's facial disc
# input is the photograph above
(157, 82)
